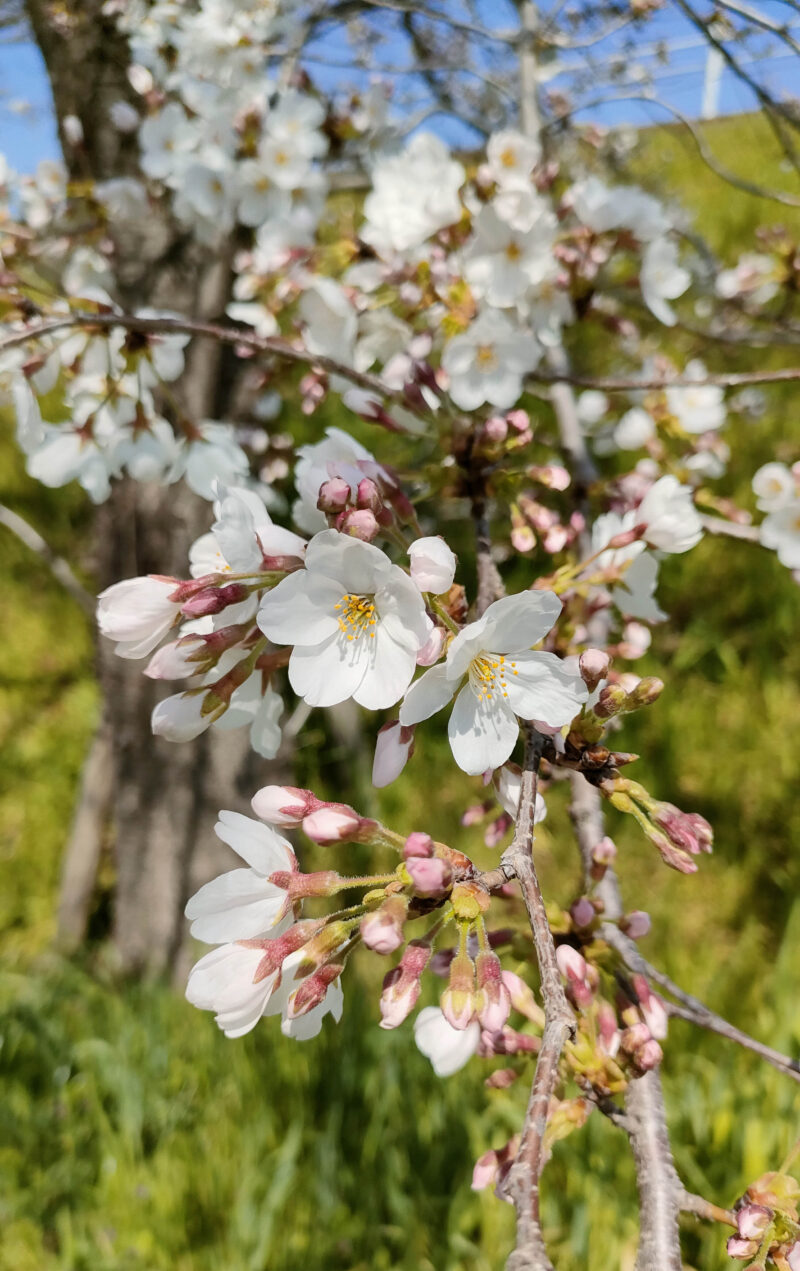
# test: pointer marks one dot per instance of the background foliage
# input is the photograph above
(133, 1135)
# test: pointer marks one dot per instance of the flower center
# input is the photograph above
(485, 357)
(487, 675)
(513, 251)
(508, 157)
(356, 616)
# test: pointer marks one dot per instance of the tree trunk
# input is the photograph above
(163, 797)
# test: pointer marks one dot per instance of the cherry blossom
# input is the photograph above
(448, 1048)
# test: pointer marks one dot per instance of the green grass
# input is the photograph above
(133, 1136)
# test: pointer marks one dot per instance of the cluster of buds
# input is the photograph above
(324, 823)
(364, 509)
(679, 836)
(532, 522)
(614, 700)
(645, 1018)
(502, 434)
(767, 1224)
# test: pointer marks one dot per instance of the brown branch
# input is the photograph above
(656, 1177)
(702, 1208)
(522, 1185)
(691, 1008)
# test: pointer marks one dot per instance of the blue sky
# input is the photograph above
(27, 136)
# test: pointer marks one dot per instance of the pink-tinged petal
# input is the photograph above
(261, 847)
(329, 672)
(522, 620)
(482, 733)
(544, 689)
(301, 608)
(427, 695)
(389, 671)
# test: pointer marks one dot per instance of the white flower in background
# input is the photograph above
(381, 337)
(781, 531)
(414, 194)
(64, 455)
(242, 534)
(754, 277)
(137, 613)
(447, 1048)
(592, 406)
(698, 408)
(668, 511)
(148, 454)
(433, 565)
(502, 263)
(124, 198)
(488, 362)
(504, 679)
(260, 198)
(522, 207)
(634, 595)
(774, 486)
(330, 321)
(123, 116)
(243, 903)
(214, 456)
(337, 455)
(634, 429)
(603, 208)
(511, 158)
(165, 140)
(356, 622)
(662, 278)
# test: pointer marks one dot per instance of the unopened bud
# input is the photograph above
(611, 701)
(334, 495)
(394, 746)
(458, 1001)
(636, 924)
(332, 823)
(593, 665)
(312, 990)
(359, 523)
(647, 691)
(418, 844)
(741, 1249)
(382, 931)
(604, 854)
(494, 1000)
(652, 1007)
(401, 985)
(522, 998)
(501, 1079)
(214, 600)
(582, 912)
(649, 1055)
(752, 1221)
(284, 805)
(368, 496)
(430, 876)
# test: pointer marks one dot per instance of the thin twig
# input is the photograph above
(58, 567)
(690, 1203)
(522, 1185)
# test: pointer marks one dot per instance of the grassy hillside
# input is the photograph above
(133, 1137)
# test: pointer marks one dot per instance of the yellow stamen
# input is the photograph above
(358, 616)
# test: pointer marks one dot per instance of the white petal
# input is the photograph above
(329, 672)
(388, 673)
(300, 608)
(236, 906)
(522, 620)
(447, 1048)
(360, 567)
(433, 565)
(544, 689)
(427, 695)
(259, 845)
(482, 733)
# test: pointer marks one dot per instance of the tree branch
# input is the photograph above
(656, 1177)
(522, 1185)
(58, 567)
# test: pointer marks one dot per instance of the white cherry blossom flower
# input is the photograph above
(698, 408)
(668, 511)
(661, 279)
(414, 194)
(137, 613)
(781, 531)
(634, 429)
(356, 622)
(224, 981)
(504, 679)
(511, 157)
(243, 903)
(774, 486)
(447, 1048)
(487, 363)
(337, 455)
(502, 263)
(634, 596)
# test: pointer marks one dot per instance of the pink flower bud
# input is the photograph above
(494, 999)
(570, 963)
(742, 1249)
(369, 496)
(485, 1171)
(433, 647)
(497, 830)
(611, 701)
(652, 1007)
(430, 877)
(610, 1035)
(433, 565)
(418, 844)
(284, 805)
(394, 746)
(593, 665)
(495, 429)
(332, 823)
(401, 985)
(605, 852)
(649, 1055)
(522, 998)
(458, 1001)
(636, 924)
(334, 495)
(359, 523)
(583, 912)
(554, 476)
(523, 538)
(519, 420)
(753, 1220)
(382, 930)
(214, 600)
(501, 1079)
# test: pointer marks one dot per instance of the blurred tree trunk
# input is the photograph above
(161, 798)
